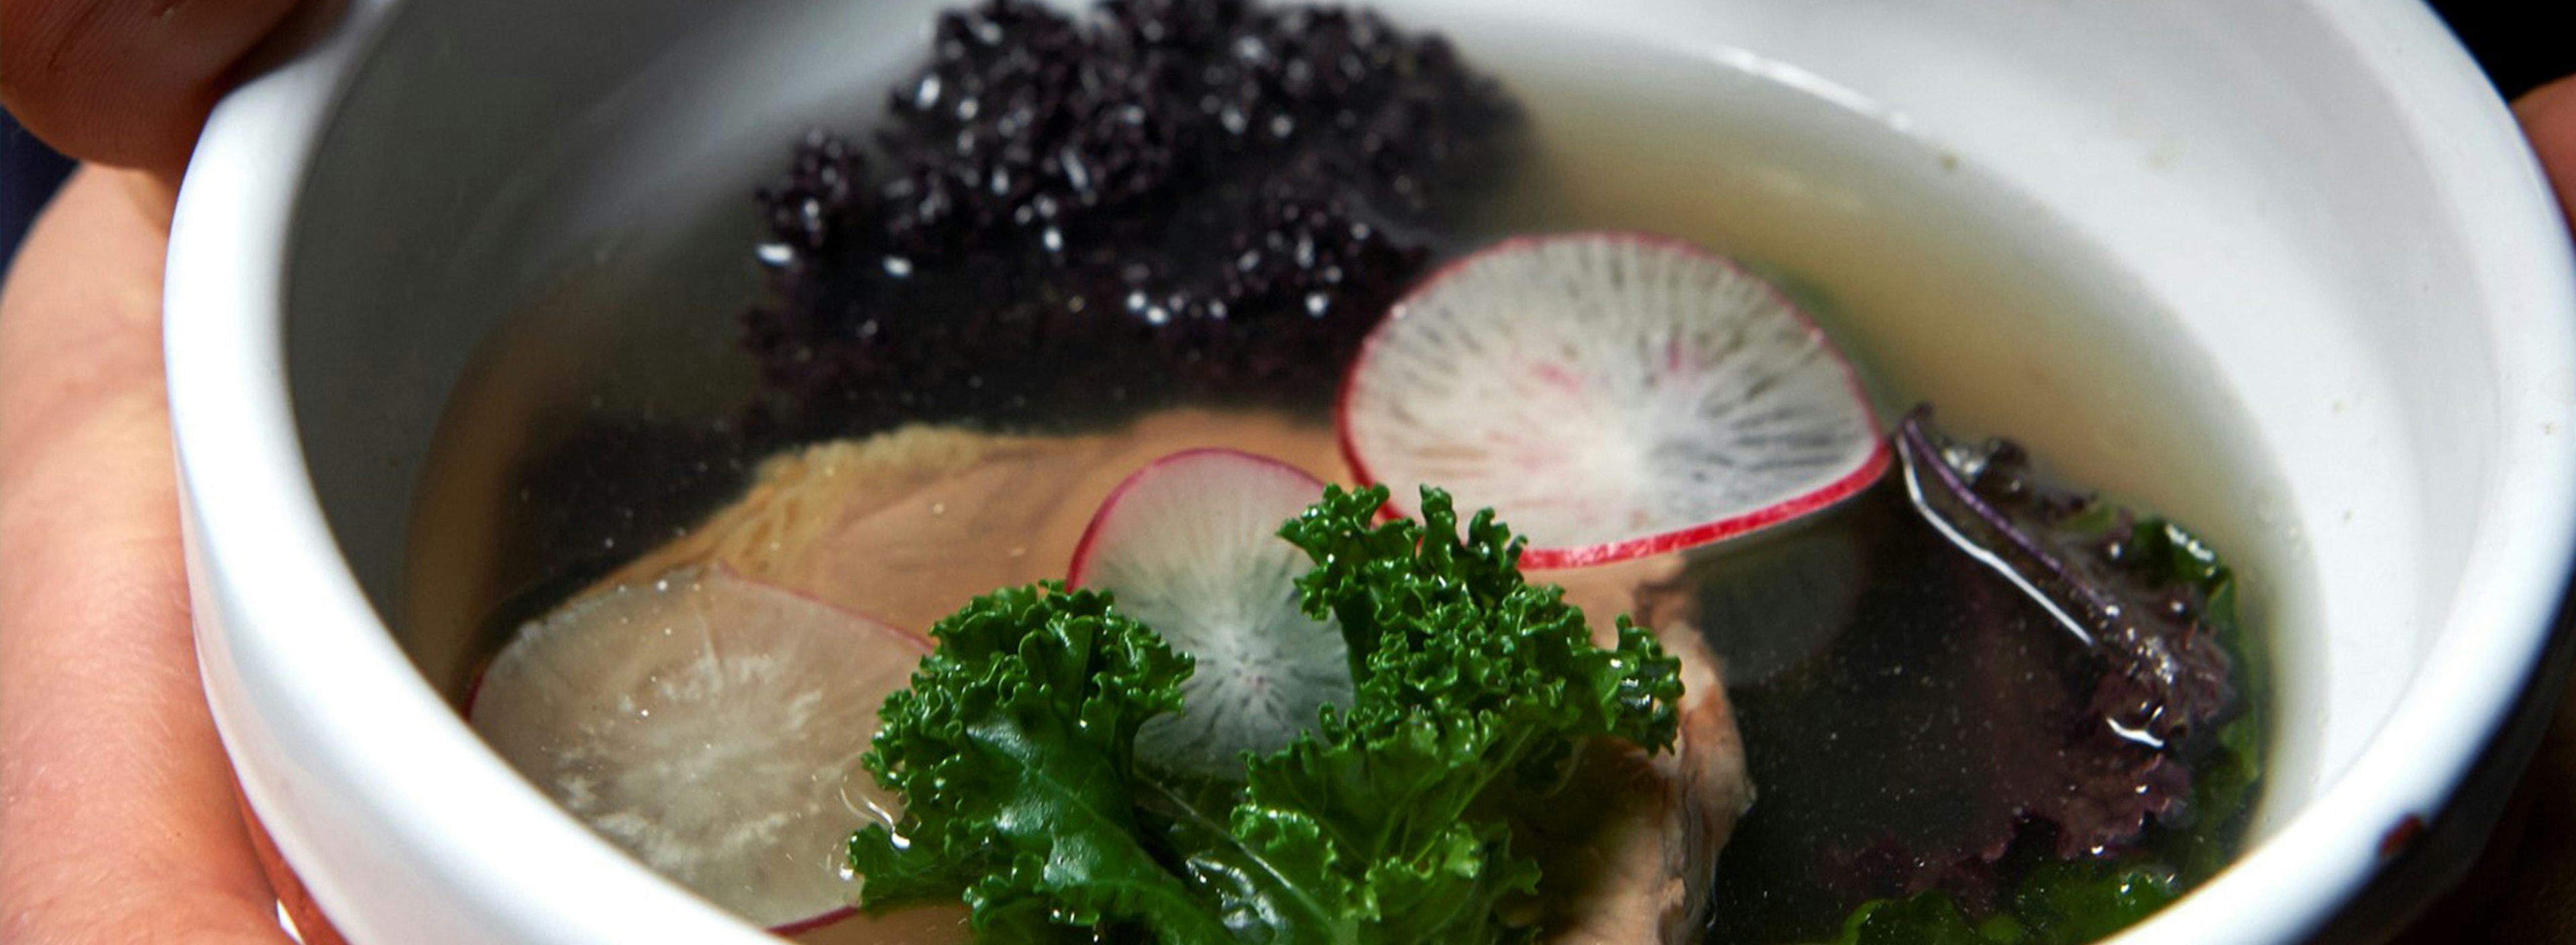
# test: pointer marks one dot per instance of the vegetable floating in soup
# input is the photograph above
(1209, 483)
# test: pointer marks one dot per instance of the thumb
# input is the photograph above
(2549, 118)
(128, 82)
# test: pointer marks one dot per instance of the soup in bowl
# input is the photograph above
(819, 337)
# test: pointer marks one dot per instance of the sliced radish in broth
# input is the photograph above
(1190, 546)
(710, 725)
(1610, 395)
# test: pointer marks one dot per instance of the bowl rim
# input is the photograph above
(2464, 693)
(356, 721)
(394, 756)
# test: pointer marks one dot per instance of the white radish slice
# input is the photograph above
(710, 725)
(1190, 546)
(1611, 395)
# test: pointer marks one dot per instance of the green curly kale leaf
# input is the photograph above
(1381, 824)
(1442, 628)
(1015, 753)
(2057, 904)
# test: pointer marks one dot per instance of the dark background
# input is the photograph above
(2522, 43)
(28, 174)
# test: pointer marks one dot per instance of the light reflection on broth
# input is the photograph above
(1941, 285)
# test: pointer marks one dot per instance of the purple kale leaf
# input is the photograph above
(2129, 590)
(2024, 675)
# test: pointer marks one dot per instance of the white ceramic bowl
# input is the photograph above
(2325, 195)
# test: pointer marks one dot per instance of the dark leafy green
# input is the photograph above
(2057, 904)
(1014, 751)
(1382, 824)
(1927, 919)
(2136, 589)
(2155, 606)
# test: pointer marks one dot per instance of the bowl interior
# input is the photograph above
(2312, 370)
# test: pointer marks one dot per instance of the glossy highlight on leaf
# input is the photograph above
(2109, 760)
(1014, 750)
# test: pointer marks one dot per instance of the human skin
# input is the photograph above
(119, 819)
(2549, 117)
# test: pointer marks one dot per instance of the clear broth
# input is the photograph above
(601, 421)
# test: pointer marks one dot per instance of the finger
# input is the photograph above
(2549, 118)
(311, 926)
(120, 824)
(126, 82)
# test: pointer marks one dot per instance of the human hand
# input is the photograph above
(119, 820)
(2549, 117)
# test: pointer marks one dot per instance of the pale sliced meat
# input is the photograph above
(1633, 862)
(907, 526)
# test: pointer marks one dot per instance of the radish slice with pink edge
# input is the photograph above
(710, 725)
(1190, 547)
(1612, 395)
